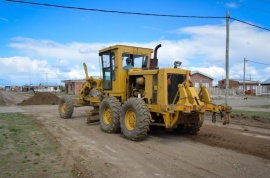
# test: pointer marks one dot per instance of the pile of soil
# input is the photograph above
(42, 98)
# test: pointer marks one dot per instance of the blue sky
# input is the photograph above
(45, 43)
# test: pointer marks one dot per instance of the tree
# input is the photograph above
(62, 88)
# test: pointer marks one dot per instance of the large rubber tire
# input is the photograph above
(194, 129)
(109, 111)
(180, 129)
(66, 107)
(191, 129)
(135, 119)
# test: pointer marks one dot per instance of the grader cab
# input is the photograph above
(134, 93)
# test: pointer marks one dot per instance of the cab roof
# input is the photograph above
(123, 47)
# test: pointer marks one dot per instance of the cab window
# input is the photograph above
(133, 60)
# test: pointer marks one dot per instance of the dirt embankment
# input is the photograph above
(42, 98)
(254, 121)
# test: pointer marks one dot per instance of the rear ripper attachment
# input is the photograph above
(187, 109)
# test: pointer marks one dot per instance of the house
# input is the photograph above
(266, 83)
(232, 84)
(26, 88)
(15, 88)
(47, 87)
(12, 88)
(73, 86)
(199, 78)
(7, 88)
(238, 85)
(265, 87)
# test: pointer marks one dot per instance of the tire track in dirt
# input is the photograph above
(247, 142)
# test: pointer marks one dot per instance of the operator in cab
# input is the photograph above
(128, 64)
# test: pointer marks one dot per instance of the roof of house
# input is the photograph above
(266, 81)
(49, 84)
(241, 81)
(194, 72)
(73, 80)
(78, 80)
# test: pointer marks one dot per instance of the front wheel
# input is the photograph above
(65, 107)
(135, 119)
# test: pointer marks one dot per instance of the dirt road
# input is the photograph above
(217, 151)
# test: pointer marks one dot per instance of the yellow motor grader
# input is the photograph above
(134, 93)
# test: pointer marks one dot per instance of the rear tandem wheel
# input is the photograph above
(135, 119)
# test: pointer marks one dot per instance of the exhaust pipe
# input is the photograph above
(155, 51)
(154, 61)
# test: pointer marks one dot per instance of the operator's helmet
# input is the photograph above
(128, 60)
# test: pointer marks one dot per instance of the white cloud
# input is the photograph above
(202, 49)
(22, 64)
(245, 42)
(212, 71)
(237, 71)
(77, 72)
(51, 50)
(22, 70)
(19, 70)
(231, 5)
(267, 70)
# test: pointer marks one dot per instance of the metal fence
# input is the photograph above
(218, 91)
(262, 90)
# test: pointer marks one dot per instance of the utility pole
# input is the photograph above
(46, 81)
(227, 58)
(244, 81)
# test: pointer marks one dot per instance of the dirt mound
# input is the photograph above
(42, 98)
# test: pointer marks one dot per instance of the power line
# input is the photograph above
(250, 24)
(259, 63)
(135, 13)
(114, 11)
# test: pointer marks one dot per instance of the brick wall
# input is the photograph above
(199, 79)
(232, 84)
(73, 86)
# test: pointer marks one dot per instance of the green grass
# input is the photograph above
(252, 113)
(16, 129)
(25, 151)
(265, 107)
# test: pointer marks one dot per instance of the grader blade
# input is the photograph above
(92, 116)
